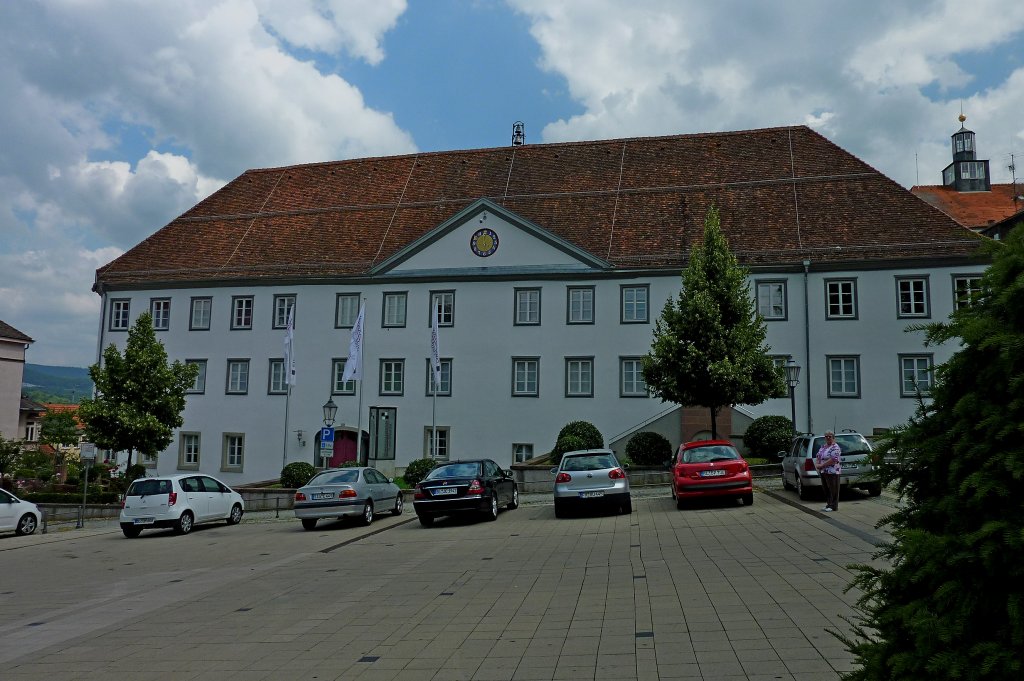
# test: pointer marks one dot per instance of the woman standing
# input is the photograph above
(828, 463)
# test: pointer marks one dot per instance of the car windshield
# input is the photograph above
(455, 470)
(142, 488)
(709, 454)
(589, 462)
(335, 477)
(849, 443)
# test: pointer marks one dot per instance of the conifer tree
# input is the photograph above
(948, 601)
(708, 348)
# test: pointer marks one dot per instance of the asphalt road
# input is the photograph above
(716, 591)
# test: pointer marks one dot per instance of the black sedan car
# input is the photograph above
(477, 486)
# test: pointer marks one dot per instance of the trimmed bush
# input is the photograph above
(296, 474)
(648, 449)
(96, 497)
(768, 435)
(417, 470)
(587, 433)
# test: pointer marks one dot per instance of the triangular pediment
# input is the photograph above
(486, 239)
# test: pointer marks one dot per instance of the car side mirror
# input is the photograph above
(554, 471)
(781, 455)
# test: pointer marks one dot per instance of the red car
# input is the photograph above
(710, 468)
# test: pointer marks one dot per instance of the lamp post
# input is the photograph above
(793, 379)
(330, 409)
(327, 445)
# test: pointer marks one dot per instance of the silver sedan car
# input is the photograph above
(347, 492)
(589, 478)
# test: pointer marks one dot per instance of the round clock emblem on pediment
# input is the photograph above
(484, 242)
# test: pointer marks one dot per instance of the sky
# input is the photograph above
(116, 116)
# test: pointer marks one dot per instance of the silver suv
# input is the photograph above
(798, 470)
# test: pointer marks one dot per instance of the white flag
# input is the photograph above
(353, 365)
(289, 348)
(435, 350)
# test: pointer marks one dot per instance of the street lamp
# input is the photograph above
(330, 409)
(792, 378)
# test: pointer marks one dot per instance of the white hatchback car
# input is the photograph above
(179, 502)
(21, 516)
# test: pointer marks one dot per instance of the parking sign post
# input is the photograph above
(87, 453)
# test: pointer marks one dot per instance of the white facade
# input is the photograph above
(483, 417)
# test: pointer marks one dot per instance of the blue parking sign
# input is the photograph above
(327, 435)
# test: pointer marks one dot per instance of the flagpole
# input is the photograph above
(435, 372)
(289, 376)
(284, 448)
(433, 425)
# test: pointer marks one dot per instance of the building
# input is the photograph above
(967, 194)
(13, 345)
(550, 263)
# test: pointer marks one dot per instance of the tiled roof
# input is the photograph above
(59, 408)
(786, 194)
(8, 332)
(975, 210)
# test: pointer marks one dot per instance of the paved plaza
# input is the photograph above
(716, 591)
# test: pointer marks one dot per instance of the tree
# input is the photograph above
(58, 430)
(948, 602)
(139, 396)
(708, 347)
(10, 456)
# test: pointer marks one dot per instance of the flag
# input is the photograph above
(435, 351)
(289, 348)
(353, 365)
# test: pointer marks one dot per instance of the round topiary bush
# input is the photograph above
(417, 470)
(296, 474)
(648, 449)
(768, 435)
(586, 432)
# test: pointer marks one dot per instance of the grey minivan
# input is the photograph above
(798, 470)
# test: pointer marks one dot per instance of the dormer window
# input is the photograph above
(972, 170)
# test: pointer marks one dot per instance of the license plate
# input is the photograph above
(324, 495)
(442, 491)
(590, 495)
(713, 474)
(143, 521)
(850, 465)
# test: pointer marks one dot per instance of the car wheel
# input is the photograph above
(399, 505)
(130, 531)
(785, 483)
(26, 525)
(367, 517)
(492, 511)
(309, 523)
(801, 491)
(748, 499)
(236, 515)
(559, 509)
(426, 520)
(184, 524)
(875, 489)
(680, 503)
(514, 504)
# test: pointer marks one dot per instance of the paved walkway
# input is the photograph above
(719, 591)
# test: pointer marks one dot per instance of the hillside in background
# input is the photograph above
(62, 385)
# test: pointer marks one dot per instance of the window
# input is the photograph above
(238, 376)
(188, 451)
(579, 377)
(527, 306)
(522, 451)
(580, 305)
(119, 314)
(445, 389)
(233, 456)
(442, 443)
(394, 309)
(32, 431)
(338, 386)
(199, 385)
(447, 300)
(392, 376)
(966, 290)
(972, 170)
(241, 312)
(843, 376)
(346, 310)
(912, 297)
(148, 460)
(841, 298)
(525, 376)
(160, 309)
(771, 300)
(631, 377)
(199, 319)
(634, 304)
(915, 375)
(282, 305)
(277, 383)
(947, 176)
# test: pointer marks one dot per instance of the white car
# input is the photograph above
(179, 502)
(21, 516)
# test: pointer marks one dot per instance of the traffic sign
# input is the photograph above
(326, 434)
